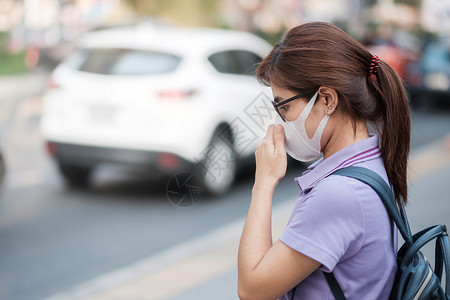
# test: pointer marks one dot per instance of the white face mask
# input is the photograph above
(297, 143)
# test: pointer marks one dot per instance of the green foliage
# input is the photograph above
(414, 3)
(191, 13)
(271, 38)
(12, 63)
(3, 39)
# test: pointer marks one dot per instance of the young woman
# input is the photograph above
(327, 88)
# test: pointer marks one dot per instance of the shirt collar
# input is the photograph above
(361, 151)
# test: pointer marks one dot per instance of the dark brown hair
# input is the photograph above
(320, 54)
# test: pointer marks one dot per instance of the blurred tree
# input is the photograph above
(414, 3)
(191, 13)
(10, 62)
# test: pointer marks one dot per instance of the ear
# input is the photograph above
(329, 99)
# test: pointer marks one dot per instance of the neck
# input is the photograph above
(344, 136)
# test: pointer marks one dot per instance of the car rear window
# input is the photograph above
(123, 61)
(239, 62)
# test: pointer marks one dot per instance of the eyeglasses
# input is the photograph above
(277, 106)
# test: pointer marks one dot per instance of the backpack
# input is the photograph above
(415, 278)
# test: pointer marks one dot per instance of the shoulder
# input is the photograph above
(333, 200)
(335, 191)
(327, 222)
(335, 183)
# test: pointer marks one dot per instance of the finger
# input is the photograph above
(279, 138)
(270, 132)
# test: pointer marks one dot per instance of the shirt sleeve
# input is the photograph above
(328, 223)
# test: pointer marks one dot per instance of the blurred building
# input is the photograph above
(45, 23)
(271, 16)
(435, 16)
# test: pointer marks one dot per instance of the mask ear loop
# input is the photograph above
(318, 134)
(305, 114)
(321, 126)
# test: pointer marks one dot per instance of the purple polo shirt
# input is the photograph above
(342, 223)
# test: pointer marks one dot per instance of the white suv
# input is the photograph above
(167, 98)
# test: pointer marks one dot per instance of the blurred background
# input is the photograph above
(127, 132)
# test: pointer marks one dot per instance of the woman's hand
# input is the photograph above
(271, 161)
(266, 270)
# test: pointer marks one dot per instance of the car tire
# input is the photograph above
(75, 176)
(219, 166)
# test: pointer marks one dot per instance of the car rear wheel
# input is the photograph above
(219, 164)
(75, 176)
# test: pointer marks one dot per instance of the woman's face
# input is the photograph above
(292, 110)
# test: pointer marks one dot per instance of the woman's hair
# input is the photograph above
(320, 54)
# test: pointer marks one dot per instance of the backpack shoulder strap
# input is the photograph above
(334, 286)
(377, 183)
(380, 186)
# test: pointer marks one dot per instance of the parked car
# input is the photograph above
(397, 56)
(429, 79)
(166, 98)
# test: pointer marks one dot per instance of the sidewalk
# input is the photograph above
(205, 268)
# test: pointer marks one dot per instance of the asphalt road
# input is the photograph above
(53, 238)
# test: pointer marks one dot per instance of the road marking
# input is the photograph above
(181, 275)
(429, 158)
(185, 266)
(164, 269)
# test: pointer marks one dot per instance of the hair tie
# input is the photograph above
(374, 65)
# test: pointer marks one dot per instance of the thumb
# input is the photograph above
(279, 138)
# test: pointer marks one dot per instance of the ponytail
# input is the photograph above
(392, 102)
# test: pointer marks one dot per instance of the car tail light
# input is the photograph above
(168, 160)
(51, 148)
(175, 95)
